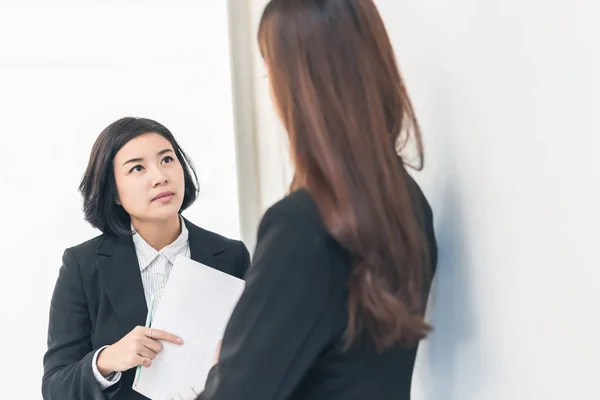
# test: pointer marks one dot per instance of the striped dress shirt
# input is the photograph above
(155, 267)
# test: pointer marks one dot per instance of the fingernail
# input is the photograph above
(179, 340)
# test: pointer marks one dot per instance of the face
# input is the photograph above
(149, 178)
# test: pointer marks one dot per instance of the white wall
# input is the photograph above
(274, 169)
(66, 71)
(507, 94)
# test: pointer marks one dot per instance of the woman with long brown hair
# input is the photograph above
(334, 304)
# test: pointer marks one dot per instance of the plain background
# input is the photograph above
(507, 95)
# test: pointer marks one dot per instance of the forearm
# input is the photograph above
(73, 381)
(104, 376)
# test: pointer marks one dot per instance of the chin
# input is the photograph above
(167, 212)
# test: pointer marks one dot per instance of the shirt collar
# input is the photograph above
(147, 254)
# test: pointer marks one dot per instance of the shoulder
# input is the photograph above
(420, 196)
(83, 251)
(426, 213)
(211, 238)
(294, 252)
(292, 231)
(79, 260)
(233, 249)
(299, 210)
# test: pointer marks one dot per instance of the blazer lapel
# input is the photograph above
(205, 249)
(121, 277)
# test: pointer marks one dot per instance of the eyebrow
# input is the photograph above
(160, 153)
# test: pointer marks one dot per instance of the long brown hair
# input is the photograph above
(342, 100)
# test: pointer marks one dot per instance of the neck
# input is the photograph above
(158, 234)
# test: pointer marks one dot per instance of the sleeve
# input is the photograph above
(243, 261)
(107, 382)
(68, 372)
(278, 328)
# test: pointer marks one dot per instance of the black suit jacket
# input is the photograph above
(99, 298)
(284, 338)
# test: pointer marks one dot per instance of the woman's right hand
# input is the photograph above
(138, 347)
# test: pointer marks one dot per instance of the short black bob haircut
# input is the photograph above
(98, 187)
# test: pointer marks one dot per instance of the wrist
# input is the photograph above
(102, 362)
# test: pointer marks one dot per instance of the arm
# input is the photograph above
(242, 261)
(108, 381)
(68, 372)
(277, 329)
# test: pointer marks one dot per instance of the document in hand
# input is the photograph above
(196, 306)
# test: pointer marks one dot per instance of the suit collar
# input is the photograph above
(202, 242)
(121, 277)
(120, 273)
(146, 253)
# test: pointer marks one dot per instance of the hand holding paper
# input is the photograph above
(134, 349)
(197, 304)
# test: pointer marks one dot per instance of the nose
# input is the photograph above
(159, 178)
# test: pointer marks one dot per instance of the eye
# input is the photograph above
(137, 168)
(168, 159)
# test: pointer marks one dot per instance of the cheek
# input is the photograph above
(178, 177)
(130, 195)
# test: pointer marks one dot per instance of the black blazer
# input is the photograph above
(99, 298)
(284, 339)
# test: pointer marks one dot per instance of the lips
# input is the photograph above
(163, 195)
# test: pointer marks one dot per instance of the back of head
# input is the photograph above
(338, 91)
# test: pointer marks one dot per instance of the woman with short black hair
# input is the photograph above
(137, 183)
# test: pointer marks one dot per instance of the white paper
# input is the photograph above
(196, 305)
